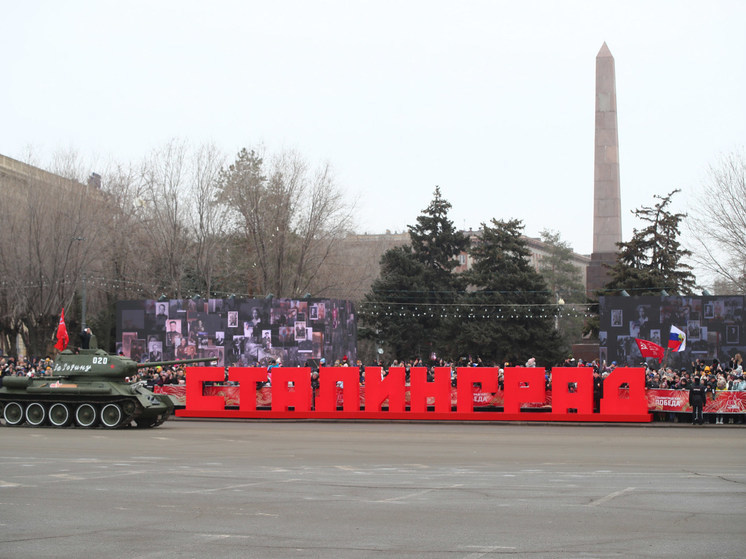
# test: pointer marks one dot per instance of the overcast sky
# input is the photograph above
(491, 100)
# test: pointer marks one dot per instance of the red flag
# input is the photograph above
(649, 349)
(62, 337)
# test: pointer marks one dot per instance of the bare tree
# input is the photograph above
(208, 218)
(44, 251)
(291, 218)
(718, 222)
(164, 176)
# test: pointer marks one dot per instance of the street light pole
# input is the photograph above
(560, 302)
(82, 293)
(82, 306)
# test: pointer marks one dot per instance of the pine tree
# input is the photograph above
(651, 261)
(509, 308)
(407, 303)
(565, 281)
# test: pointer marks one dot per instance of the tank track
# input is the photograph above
(131, 410)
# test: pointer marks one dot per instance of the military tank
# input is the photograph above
(86, 389)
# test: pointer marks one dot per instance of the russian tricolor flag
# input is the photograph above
(677, 339)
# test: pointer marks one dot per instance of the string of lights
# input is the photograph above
(482, 311)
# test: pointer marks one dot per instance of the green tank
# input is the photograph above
(86, 389)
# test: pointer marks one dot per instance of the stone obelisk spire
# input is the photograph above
(607, 203)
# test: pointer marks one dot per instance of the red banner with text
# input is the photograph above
(476, 395)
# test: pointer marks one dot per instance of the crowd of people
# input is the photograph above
(713, 377)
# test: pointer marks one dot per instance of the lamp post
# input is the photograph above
(82, 304)
(560, 302)
(82, 293)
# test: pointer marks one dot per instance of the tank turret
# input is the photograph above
(96, 363)
(87, 389)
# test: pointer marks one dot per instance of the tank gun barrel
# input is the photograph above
(176, 362)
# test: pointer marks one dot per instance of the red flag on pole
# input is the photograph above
(649, 349)
(62, 337)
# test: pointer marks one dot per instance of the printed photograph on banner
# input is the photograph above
(215, 306)
(300, 331)
(138, 350)
(186, 326)
(709, 311)
(161, 315)
(232, 319)
(655, 336)
(693, 333)
(284, 334)
(173, 332)
(214, 352)
(641, 322)
(127, 338)
(734, 309)
(732, 334)
(616, 318)
(602, 338)
(155, 351)
(627, 351)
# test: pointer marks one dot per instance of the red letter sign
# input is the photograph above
(283, 396)
(635, 403)
(247, 377)
(420, 389)
(195, 400)
(581, 398)
(523, 385)
(328, 377)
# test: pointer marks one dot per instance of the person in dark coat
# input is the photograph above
(697, 399)
(598, 390)
(85, 338)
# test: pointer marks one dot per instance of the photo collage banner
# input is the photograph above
(238, 332)
(713, 326)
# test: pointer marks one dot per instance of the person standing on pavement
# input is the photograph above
(697, 399)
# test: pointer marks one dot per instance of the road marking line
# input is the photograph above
(417, 494)
(610, 496)
(486, 550)
(225, 488)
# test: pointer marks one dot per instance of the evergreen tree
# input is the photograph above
(406, 304)
(652, 260)
(565, 282)
(509, 308)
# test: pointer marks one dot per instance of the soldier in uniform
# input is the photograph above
(697, 399)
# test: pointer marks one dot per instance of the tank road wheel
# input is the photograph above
(85, 415)
(35, 414)
(59, 415)
(111, 415)
(13, 413)
(129, 407)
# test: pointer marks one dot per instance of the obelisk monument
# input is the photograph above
(607, 203)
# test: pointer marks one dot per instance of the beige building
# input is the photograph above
(361, 254)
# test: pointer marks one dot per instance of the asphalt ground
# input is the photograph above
(210, 488)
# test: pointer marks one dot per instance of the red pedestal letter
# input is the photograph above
(523, 385)
(467, 376)
(391, 387)
(580, 397)
(328, 377)
(247, 377)
(283, 396)
(614, 403)
(195, 399)
(420, 389)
